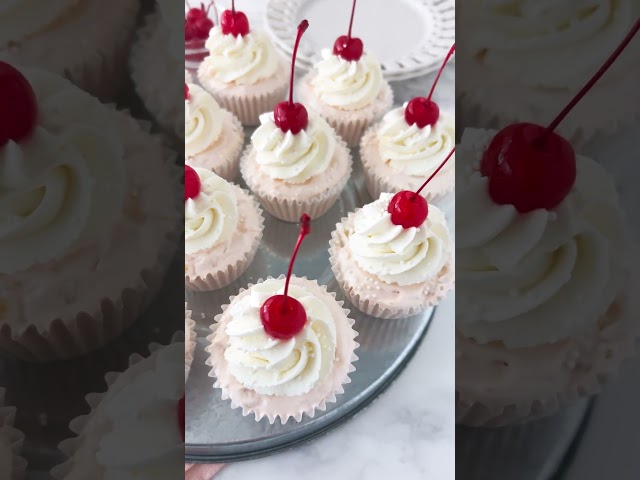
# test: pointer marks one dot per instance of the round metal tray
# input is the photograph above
(217, 433)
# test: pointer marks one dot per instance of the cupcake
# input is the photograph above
(243, 70)
(143, 406)
(347, 89)
(295, 163)
(522, 62)
(198, 23)
(12, 465)
(213, 136)
(388, 270)
(223, 228)
(189, 341)
(156, 57)
(68, 286)
(548, 306)
(48, 36)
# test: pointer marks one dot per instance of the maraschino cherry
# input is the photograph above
(410, 209)
(532, 167)
(234, 22)
(181, 417)
(289, 116)
(18, 105)
(283, 317)
(347, 47)
(186, 91)
(197, 23)
(192, 184)
(424, 111)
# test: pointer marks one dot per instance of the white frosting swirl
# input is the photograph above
(202, 121)
(244, 60)
(404, 256)
(347, 85)
(535, 278)
(63, 186)
(413, 150)
(531, 40)
(21, 18)
(212, 217)
(294, 158)
(144, 413)
(280, 367)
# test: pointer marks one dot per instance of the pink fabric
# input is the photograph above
(198, 471)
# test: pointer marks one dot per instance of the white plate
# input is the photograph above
(409, 37)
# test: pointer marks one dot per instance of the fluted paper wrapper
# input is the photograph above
(378, 305)
(349, 124)
(224, 275)
(190, 341)
(318, 397)
(15, 438)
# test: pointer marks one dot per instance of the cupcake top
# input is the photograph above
(19, 20)
(294, 158)
(270, 366)
(144, 413)
(414, 150)
(243, 59)
(211, 217)
(347, 85)
(537, 277)
(398, 255)
(202, 121)
(62, 187)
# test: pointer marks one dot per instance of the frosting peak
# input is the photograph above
(202, 121)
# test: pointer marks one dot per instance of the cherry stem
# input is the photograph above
(446, 59)
(353, 12)
(305, 229)
(233, 6)
(301, 29)
(589, 85)
(434, 173)
(187, 2)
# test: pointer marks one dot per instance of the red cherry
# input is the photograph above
(203, 27)
(233, 22)
(195, 13)
(189, 31)
(289, 116)
(18, 105)
(423, 111)
(347, 47)
(283, 317)
(197, 23)
(186, 91)
(192, 184)
(530, 166)
(181, 417)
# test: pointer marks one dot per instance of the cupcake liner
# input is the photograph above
(377, 304)
(228, 274)
(190, 341)
(349, 124)
(15, 438)
(616, 339)
(247, 102)
(224, 157)
(290, 209)
(244, 398)
(381, 178)
(80, 425)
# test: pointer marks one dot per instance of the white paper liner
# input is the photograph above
(247, 102)
(349, 124)
(190, 341)
(15, 438)
(80, 426)
(291, 209)
(381, 178)
(226, 274)
(378, 305)
(241, 397)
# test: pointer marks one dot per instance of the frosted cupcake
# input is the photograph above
(522, 62)
(48, 36)
(213, 136)
(282, 350)
(222, 230)
(12, 465)
(408, 146)
(347, 89)
(295, 164)
(143, 406)
(243, 70)
(189, 341)
(67, 285)
(198, 23)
